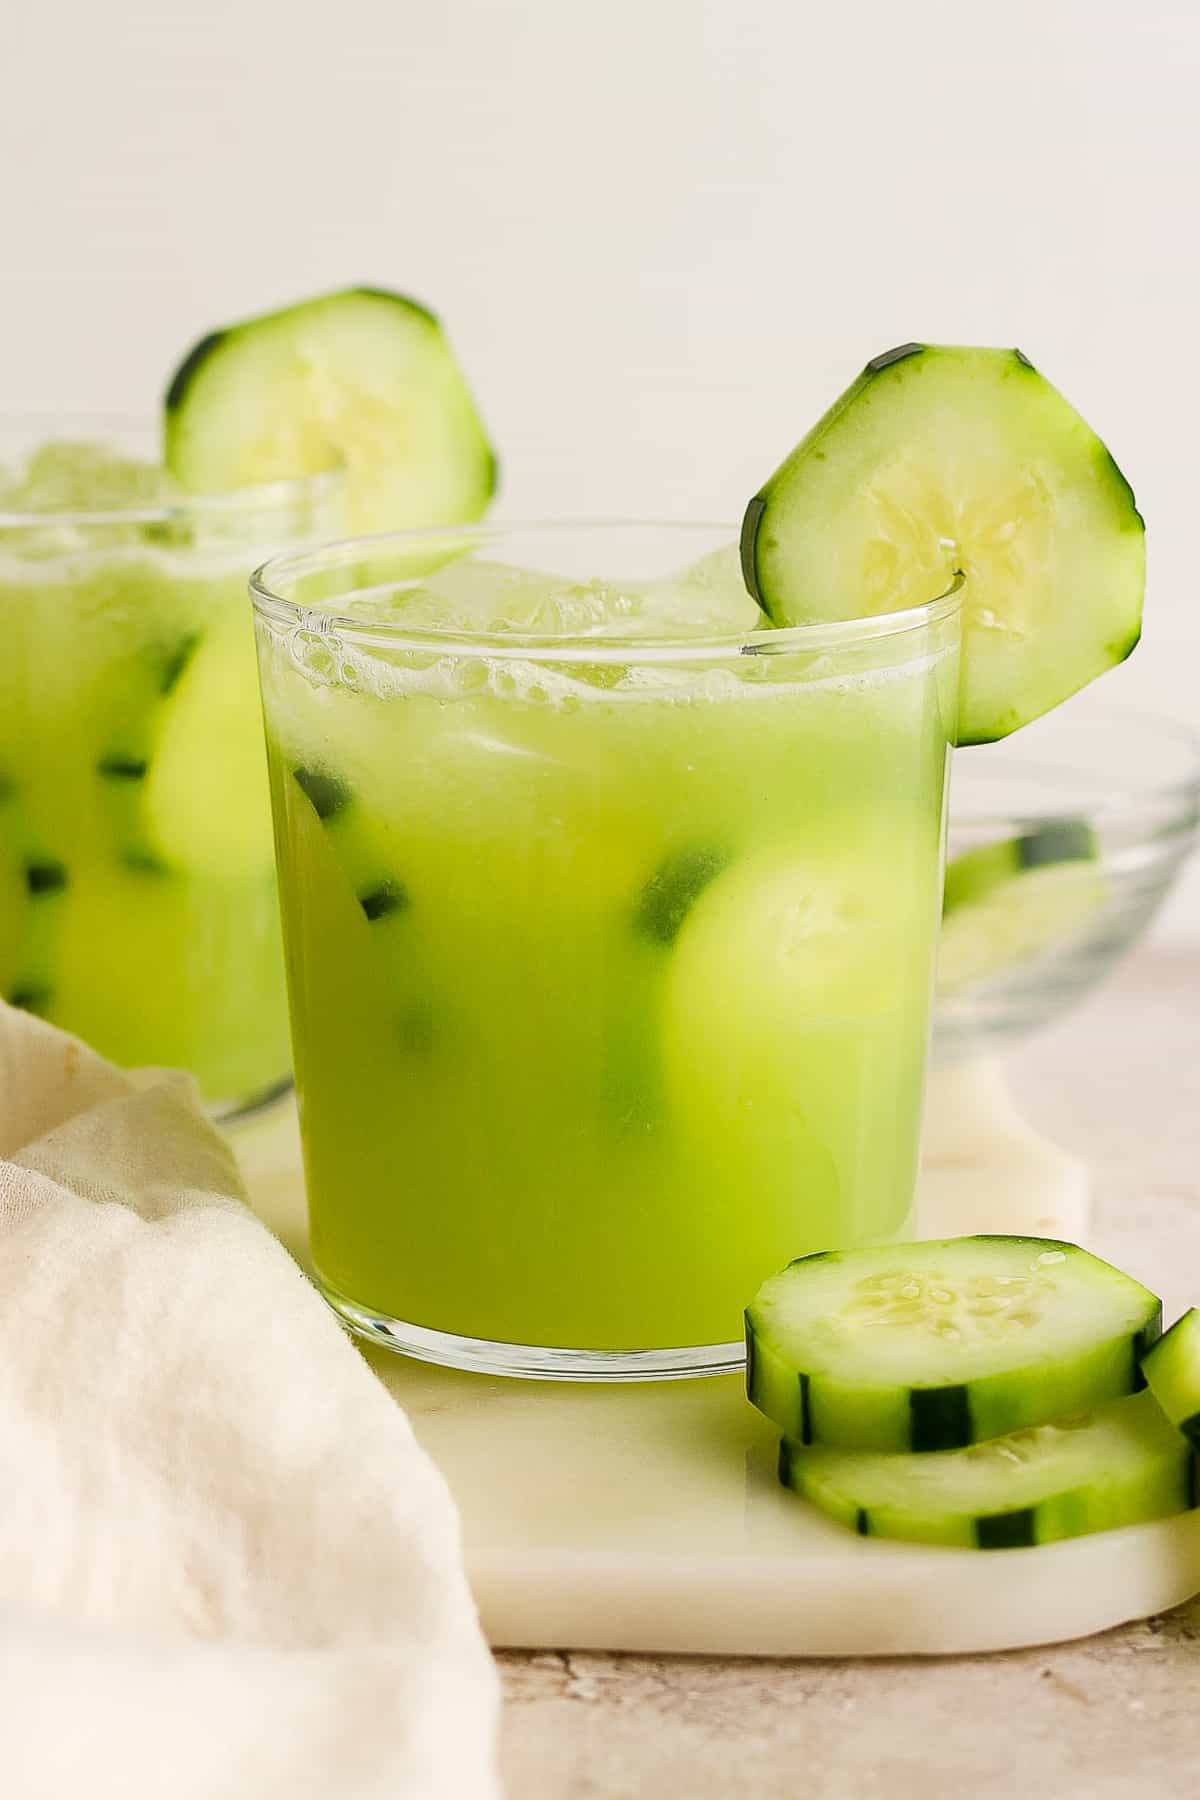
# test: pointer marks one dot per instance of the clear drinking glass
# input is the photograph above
(137, 893)
(610, 922)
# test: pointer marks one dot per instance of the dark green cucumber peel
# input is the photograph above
(198, 384)
(387, 897)
(123, 769)
(751, 543)
(142, 862)
(379, 894)
(199, 354)
(175, 662)
(206, 346)
(1171, 1369)
(941, 1418)
(32, 999)
(1057, 841)
(1128, 1467)
(325, 793)
(674, 888)
(119, 767)
(45, 876)
(1015, 1530)
(47, 881)
(631, 1080)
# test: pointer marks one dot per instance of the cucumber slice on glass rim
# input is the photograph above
(1120, 1465)
(943, 458)
(364, 381)
(932, 1346)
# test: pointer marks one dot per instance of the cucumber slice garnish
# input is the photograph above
(364, 381)
(939, 458)
(1172, 1371)
(932, 1346)
(1010, 902)
(1117, 1466)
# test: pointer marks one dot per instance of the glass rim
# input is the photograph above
(105, 429)
(565, 647)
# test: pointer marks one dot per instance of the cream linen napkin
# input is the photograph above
(226, 1568)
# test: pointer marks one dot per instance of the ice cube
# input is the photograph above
(86, 477)
(474, 595)
(707, 599)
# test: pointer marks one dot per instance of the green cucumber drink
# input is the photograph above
(610, 917)
(137, 897)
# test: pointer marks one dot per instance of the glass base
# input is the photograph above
(533, 1362)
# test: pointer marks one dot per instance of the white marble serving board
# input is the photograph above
(647, 1516)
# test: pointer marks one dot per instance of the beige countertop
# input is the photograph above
(1111, 1718)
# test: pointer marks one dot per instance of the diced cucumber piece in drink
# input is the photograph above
(673, 890)
(181, 771)
(633, 1053)
(207, 803)
(130, 747)
(363, 381)
(1009, 902)
(379, 892)
(926, 1347)
(1093, 1471)
(1172, 1371)
(47, 881)
(941, 458)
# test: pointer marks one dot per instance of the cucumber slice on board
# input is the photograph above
(1172, 1371)
(1117, 1466)
(1012, 901)
(932, 1346)
(362, 380)
(939, 458)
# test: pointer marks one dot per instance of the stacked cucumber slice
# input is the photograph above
(977, 1391)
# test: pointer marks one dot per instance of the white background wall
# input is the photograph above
(663, 232)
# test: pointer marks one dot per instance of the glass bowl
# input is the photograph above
(1064, 841)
